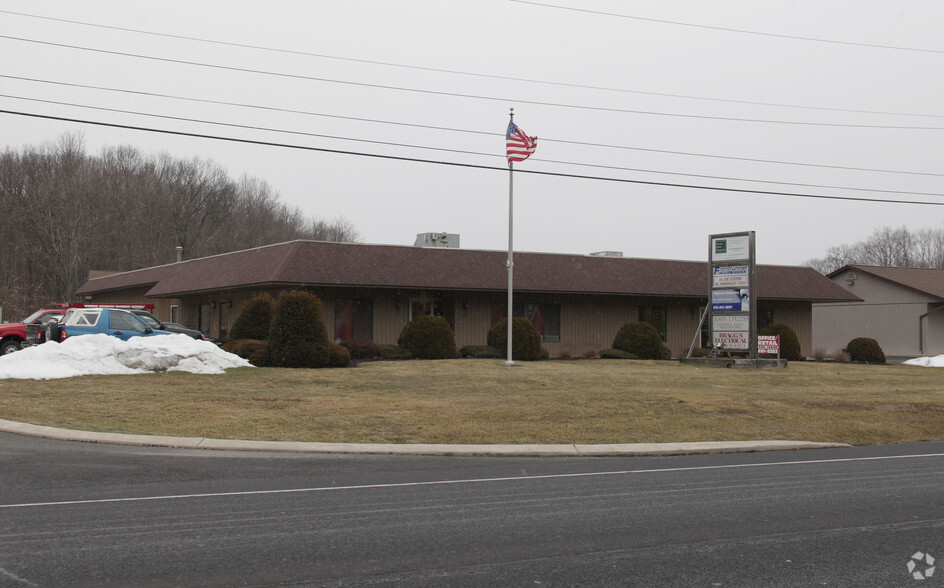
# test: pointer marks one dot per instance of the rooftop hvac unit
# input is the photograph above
(437, 240)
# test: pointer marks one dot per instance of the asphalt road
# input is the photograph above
(79, 514)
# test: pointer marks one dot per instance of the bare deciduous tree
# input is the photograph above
(900, 247)
(65, 213)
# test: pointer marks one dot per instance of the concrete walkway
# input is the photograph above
(561, 450)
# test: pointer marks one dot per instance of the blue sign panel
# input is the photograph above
(730, 300)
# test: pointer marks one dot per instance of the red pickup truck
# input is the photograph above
(13, 336)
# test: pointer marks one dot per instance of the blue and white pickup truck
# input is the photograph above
(110, 321)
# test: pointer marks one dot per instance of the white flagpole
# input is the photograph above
(511, 232)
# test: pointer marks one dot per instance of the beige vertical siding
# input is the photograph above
(390, 316)
(473, 320)
(799, 316)
(588, 323)
(683, 325)
(889, 313)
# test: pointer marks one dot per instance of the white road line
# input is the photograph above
(463, 481)
(19, 581)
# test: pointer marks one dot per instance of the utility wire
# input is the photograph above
(469, 96)
(469, 165)
(729, 29)
(456, 130)
(465, 73)
(461, 151)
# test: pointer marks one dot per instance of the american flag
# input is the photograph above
(518, 145)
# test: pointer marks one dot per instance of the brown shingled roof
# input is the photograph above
(924, 280)
(315, 263)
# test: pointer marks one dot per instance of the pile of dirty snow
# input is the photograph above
(104, 355)
(926, 361)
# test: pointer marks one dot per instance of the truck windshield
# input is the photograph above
(150, 320)
(32, 317)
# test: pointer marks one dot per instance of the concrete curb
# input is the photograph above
(537, 450)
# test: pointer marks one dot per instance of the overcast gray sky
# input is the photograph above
(830, 99)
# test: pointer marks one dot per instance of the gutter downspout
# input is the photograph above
(921, 328)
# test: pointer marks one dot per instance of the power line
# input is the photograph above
(468, 73)
(252, 127)
(729, 29)
(751, 159)
(461, 151)
(457, 130)
(469, 165)
(469, 96)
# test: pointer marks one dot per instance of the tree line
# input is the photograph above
(922, 248)
(64, 212)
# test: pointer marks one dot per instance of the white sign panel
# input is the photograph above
(731, 248)
(730, 276)
(731, 339)
(722, 322)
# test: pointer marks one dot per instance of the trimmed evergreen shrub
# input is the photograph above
(616, 354)
(339, 356)
(789, 343)
(361, 348)
(255, 320)
(865, 349)
(666, 352)
(640, 339)
(428, 337)
(480, 352)
(525, 340)
(298, 338)
(254, 351)
(388, 351)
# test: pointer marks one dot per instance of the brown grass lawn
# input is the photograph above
(483, 401)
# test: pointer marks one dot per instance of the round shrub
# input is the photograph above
(640, 339)
(338, 355)
(361, 348)
(388, 351)
(525, 340)
(480, 352)
(616, 354)
(428, 337)
(255, 320)
(254, 351)
(865, 349)
(789, 343)
(298, 338)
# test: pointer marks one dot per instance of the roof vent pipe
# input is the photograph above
(180, 253)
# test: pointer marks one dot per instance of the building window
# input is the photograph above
(353, 319)
(705, 330)
(655, 316)
(204, 319)
(424, 306)
(765, 318)
(224, 320)
(174, 314)
(544, 317)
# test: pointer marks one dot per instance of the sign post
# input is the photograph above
(769, 344)
(732, 282)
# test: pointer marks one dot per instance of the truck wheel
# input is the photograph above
(52, 331)
(10, 347)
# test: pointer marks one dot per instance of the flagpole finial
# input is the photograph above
(511, 114)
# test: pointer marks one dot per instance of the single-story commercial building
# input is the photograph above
(901, 307)
(577, 302)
